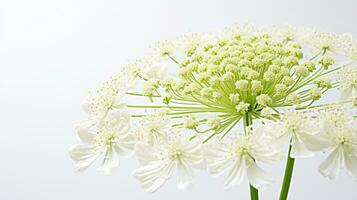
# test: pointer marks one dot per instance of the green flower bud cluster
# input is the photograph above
(249, 73)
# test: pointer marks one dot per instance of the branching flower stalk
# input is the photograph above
(178, 109)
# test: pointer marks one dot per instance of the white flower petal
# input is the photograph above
(331, 166)
(125, 145)
(193, 156)
(145, 153)
(258, 178)
(83, 155)
(317, 142)
(185, 176)
(153, 176)
(85, 105)
(216, 159)
(299, 150)
(236, 174)
(351, 161)
(86, 136)
(110, 160)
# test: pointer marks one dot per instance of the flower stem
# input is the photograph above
(248, 121)
(287, 177)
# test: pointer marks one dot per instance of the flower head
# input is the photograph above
(110, 140)
(238, 156)
(158, 162)
(339, 136)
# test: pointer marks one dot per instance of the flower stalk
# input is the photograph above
(289, 168)
(247, 123)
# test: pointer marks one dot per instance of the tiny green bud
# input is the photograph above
(310, 65)
(326, 61)
(287, 80)
(214, 81)
(242, 107)
(323, 82)
(166, 98)
(315, 93)
(269, 76)
(266, 112)
(234, 97)
(232, 68)
(242, 85)
(264, 100)
(256, 87)
(214, 122)
(207, 92)
(293, 99)
(301, 70)
(280, 89)
(190, 122)
(227, 76)
(168, 83)
(253, 75)
(216, 95)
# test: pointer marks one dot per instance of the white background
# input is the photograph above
(53, 52)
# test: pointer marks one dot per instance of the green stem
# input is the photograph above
(287, 177)
(247, 121)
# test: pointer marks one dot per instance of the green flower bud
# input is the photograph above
(232, 68)
(166, 98)
(274, 68)
(323, 82)
(291, 61)
(207, 92)
(287, 80)
(245, 63)
(213, 69)
(256, 87)
(242, 107)
(301, 70)
(326, 61)
(242, 85)
(269, 76)
(168, 84)
(190, 122)
(315, 93)
(203, 77)
(207, 47)
(253, 75)
(248, 55)
(202, 68)
(180, 85)
(185, 62)
(281, 89)
(266, 112)
(284, 71)
(190, 51)
(185, 72)
(192, 88)
(234, 97)
(309, 65)
(214, 81)
(214, 122)
(293, 99)
(192, 66)
(244, 71)
(227, 76)
(264, 100)
(216, 95)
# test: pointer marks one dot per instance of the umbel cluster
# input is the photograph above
(225, 102)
